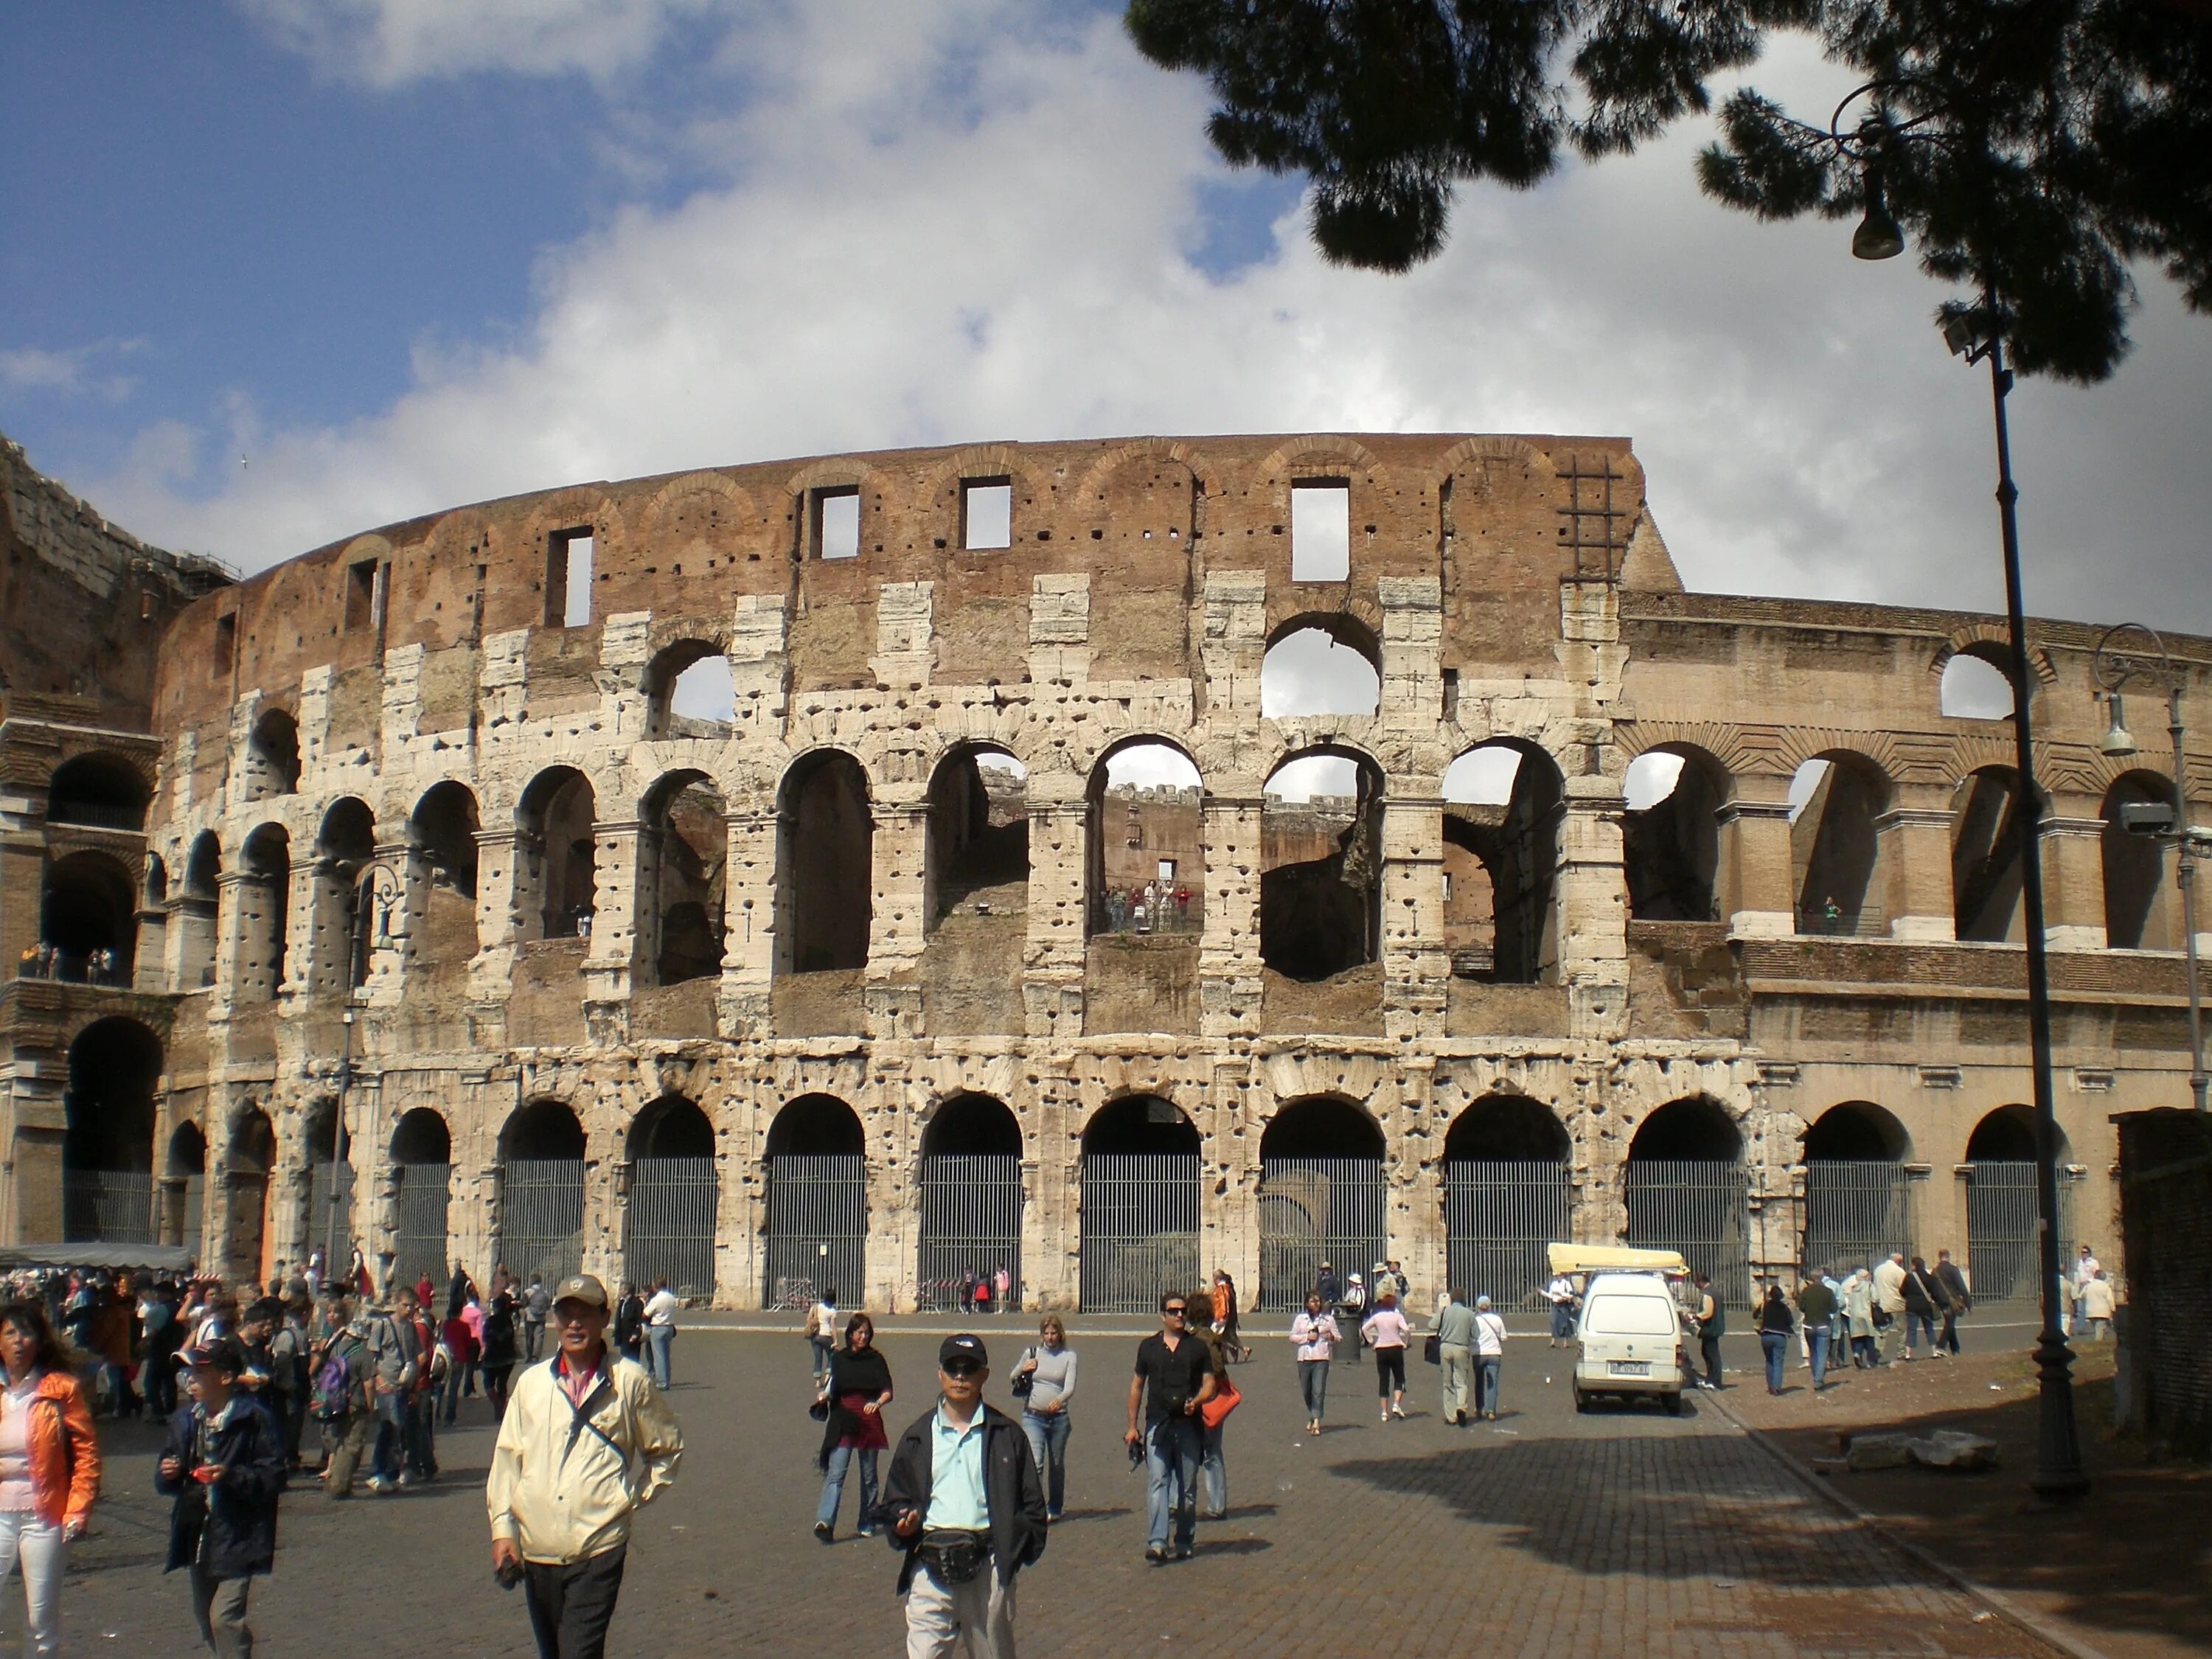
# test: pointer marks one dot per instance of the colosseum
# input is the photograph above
(1079, 862)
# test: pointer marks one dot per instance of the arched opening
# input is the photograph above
(683, 858)
(105, 792)
(1975, 687)
(252, 1154)
(1506, 1196)
(1321, 865)
(183, 1180)
(441, 832)
(1858, 1194)
(1320, 666)
(331, 1219)
(423, 1178)
(2003, 1227)
(263, 896)
(87, 914)
(971, 1207)
(818, 1205)
(1503, 802)
(2135, 887)
(344, 848)
(107, 1139)
(1687, 1190)
(690, 693)
(977, 863)
(1321, 1196)
(1146, 841)
(541, 1191)
(155, 888)
(556, 855)
(1986, 872)
(197, 908)
(825, 862)
(272, 757)
(1670, 835)
(668, 1225)
(1140, 1200)
(1834, 801)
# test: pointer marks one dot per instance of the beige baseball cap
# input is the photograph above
(582, 1287)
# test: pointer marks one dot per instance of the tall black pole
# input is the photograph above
(2058, 1449)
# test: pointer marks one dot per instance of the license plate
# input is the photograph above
(1630, 1368)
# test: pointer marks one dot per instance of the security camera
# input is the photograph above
(2147, 818)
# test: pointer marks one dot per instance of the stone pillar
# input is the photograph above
(1755, 889)
(2074, 876)
(1416, 968)
(1914, 855)
(894, 1190)
(895, 920)
(1231, 1118)
(1414, 1156)
(607, 974)
(603, 1221)
(149, 960)
(749, 926)
(1051, 1192)
(1229, 984)
(1053, 944)
(1591, 903)
(491, 972)
(391, 919)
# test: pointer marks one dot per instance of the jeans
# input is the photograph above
(1775, 1344)
(219, 1605)
(390, 1436)
(819, 1346)
(1213, 1471)
(1313, 1386)
(1172, 1451)
(1486, 1383)
(1862, 1354)
(1947, 1339)
(1816, 1338)
(1563, 1321)
(572, 1603)
(659, 1340)
(40, 1551)
(1917, 1325)
(533, 1334)
(421, 1438)
(833, 1484)
(1457, 1365)
(452, 1392)
(1047, 1436)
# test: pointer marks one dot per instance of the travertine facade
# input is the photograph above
(560, 929)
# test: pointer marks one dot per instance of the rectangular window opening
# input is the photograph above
(568, 578)
(1167, 872)
(226, 646)
(360, 595)
(987, 512)
(1321, 530)
(836, 527)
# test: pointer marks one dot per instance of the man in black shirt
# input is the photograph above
(1174, 1379)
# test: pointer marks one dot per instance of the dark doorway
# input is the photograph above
(825, 874)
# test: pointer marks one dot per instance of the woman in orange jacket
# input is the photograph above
(49, 1464)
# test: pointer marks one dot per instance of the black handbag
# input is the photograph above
(954, 1557)
(1023, 1381)
(1432, 1350)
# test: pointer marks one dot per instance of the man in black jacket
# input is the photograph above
(224, 1464)
(964, 1504)
(1953, 1285)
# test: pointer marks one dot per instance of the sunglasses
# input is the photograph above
(961, 1367)
(1172, 1313)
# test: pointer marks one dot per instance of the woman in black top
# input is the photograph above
(859, 1388)
(1776, 1325)
(499, 1351)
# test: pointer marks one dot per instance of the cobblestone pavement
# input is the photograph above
(1616, 1532)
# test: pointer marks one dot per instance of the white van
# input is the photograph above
(1631, 1339)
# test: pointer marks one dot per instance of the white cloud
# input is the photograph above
(77, 370)
(968, 221)
(388, 43)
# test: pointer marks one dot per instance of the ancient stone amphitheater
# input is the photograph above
(1081, 863)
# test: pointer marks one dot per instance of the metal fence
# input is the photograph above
(1139, 1229)
(2002, 1258)
(541, 1217)
(319, 1214)
(668, 1232)
(971, 1226)
(109, 1206)
(1857, 1212)
(419, 1242)
(1700, 1207)
(817, 1229)
(1498, 1217)
(1313, 1210)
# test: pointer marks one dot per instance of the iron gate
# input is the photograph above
(1498, 1217)
(817, 1229)
(1139, 1229)
(971, 1226)
(669, 1232)
(1855, 1213)
(112, 1206)
(1700, 1207)
(2002, 1258)
(319, 1214)
(541, 1217)
(418, 1243)
(1313, 1210)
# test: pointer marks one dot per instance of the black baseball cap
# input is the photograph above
(962, 1351)
(222, 1354)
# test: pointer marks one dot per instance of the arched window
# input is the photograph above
(824, 864)
(689, 692)
(1687, 1190)
(108, 1141)
(556, 855)
(2136, 917)
(1320, 863)
(1670, 838)
(1140, 1201)
(197, 908)
(272, 757)
(422, 1163)
(1322, 1197)
(263, 896)
(1975, 686)
(971, 1207)
(1986, 869)
(977, 863)
(817, 1211)
(1834, 800)
(682, 857)
(1503, 802)
(1146, 829)
(183, 1172)
(1858, 1194)
(441, 834)
(344, 848)
(87, 913)
(252, 1154)
(103, 791)
(1320, 666)
(668, 1225)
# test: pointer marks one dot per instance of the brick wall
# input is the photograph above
(2166, 1199)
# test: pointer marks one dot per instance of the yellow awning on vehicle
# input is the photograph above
(1595, 1258)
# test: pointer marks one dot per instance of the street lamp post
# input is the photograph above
(2115, 664)
(368, 883)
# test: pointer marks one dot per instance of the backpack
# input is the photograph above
(336, 1392)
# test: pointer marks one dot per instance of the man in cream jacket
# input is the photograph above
(587, 1439)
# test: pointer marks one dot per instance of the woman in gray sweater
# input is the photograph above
(1049, 1367)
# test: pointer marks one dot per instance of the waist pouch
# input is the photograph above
(954, 1557)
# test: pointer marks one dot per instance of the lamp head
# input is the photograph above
(2118, 742)
(1878, 236)
(1958, 333)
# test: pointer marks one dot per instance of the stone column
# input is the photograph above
(1054, 947)
(1914, 854)
(1416, 968)
(749, 926)
(894, 1191)
(1592, 907)
(1052, 1190)
(607, 975)
(1229, 1176)
(895, 921)
(1756, 892)
(1229, 984)
(491, 971)
(2074, 876)
(1414, 1156)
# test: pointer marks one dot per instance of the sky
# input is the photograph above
(278, 271)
